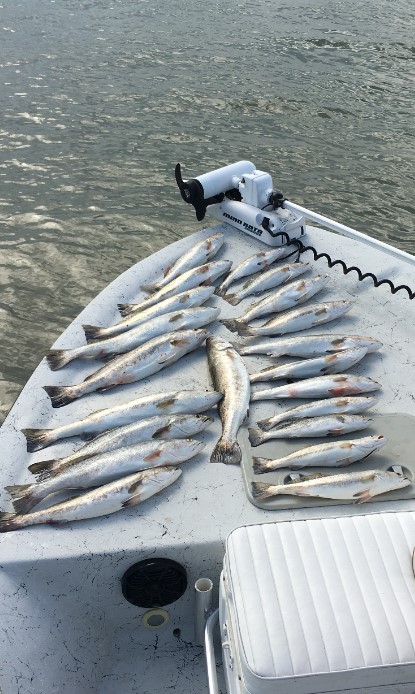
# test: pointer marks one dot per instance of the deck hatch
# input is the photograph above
(154, 582)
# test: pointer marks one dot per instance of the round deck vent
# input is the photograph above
(154, 582)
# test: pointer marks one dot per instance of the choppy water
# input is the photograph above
(99, 99)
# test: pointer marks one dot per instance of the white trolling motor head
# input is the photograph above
(244, 197)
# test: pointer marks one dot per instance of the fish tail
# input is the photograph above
(23, 497)
(256, 436)
(93, 332)
(220, 289)
(36, 439)
(8, 522)
(61, 395)
(42, 470)
(266, 424)
(228, 452)
(57, 358)
(233, 324)
(150, 288)
(232, 299)
(244, 329)
(126, 309)
(261, 490)
(260, 465)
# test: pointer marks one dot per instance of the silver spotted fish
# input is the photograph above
(120, 344)
(204, 274)
(299, 319)
(177, 302)
(163, 427)
(154, 404)
(318, 408)
(110, 498)
(286, 297)
(267, 280)
(255, 263)
(313, 427)
(309, 346)
(353, 486)
(332, 364)
(102, 469)
(320, 387)
(199, 254)
(333, 454)
(230, 377)
(133, 366)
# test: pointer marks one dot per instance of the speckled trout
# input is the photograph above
(172, 426)
(103, 468)
(333, 454)
(255, 263)
(273, 277)
(230, 377)
(309, 346)
(120, 344)
(313, 427)
(299, 319)
(110, 498)
(133, 366)
(332, 364)
(320, 387)
(354, 486)
(286, 297)
(154, 404)
(318, 408)
(178, 302)
(199, 254)
(204, 274)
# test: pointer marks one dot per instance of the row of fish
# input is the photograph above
(339, 410)
(126, 449)
(157, 332)
(127, 460)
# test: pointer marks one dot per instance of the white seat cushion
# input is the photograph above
(329, 600)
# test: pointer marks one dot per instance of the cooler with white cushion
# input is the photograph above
(324, 605)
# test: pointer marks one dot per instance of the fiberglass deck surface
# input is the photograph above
(65, 625)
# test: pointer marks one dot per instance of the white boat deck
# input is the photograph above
(64, 622)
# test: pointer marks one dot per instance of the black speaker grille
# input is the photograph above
(154, 582)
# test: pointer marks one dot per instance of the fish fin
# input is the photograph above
(233, 324)
(7, 522)
(126, 309)
(228, 452)
(256, 436)
(232, 299)
(244, 329)
(261, 490)
(177, 342)
(92, 332)
(150, 288)
(362, 496)
(160, 433)
(44, 466)
(36, 439)
(57, 358)
(132, 500)
(265, 424)
(23, 497)
(219, 291)
(60, 395)
(260, 465)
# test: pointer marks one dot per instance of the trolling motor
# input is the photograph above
(244, 197)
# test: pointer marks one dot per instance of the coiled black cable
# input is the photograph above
(301, 248)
